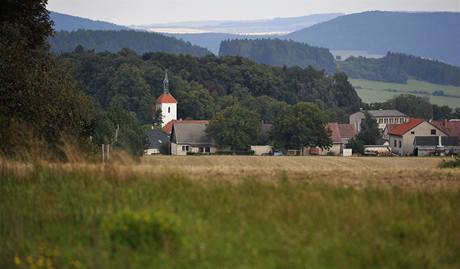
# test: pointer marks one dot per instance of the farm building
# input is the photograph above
(191, 138)
(402, 137)
(340, 135)
(157, 139)
(383, 117)
(451, 126)
(432, 145)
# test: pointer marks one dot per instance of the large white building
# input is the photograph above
(166, 103)
(383, 117)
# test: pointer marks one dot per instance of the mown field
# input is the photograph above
(376, 91)
(231, 212)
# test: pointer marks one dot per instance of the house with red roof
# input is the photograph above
(340, 135)
(402, 137)
(451, 126)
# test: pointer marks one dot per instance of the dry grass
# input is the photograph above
(288, 212)
(413, 173)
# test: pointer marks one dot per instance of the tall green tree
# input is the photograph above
(301, 125)
(235, 127)
(413, 106)
(370, 132)
(38, 101)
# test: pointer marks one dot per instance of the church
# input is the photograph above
(166, 103)
(185, 136)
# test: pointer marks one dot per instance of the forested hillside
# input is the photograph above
(432, 35)
(396, 67)
(114, 41)
(279, 53)
(64, 22)
(124, 86)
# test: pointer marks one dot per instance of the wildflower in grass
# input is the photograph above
(17, 260)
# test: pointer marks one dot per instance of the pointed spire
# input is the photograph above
(166, 83)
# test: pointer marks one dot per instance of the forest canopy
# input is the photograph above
(396, 67)
(279, 52)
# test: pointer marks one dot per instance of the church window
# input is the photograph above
(169, 109)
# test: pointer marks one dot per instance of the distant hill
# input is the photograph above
(114, 41)
(432, 35)
(396, 67)
(212, 41)
(278, 52)
(64, 22)
(246, 27)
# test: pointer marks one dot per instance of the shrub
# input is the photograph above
(136, 230)
(454, 163)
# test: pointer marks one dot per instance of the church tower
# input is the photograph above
(167, 103)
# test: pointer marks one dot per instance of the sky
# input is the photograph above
(137, 12)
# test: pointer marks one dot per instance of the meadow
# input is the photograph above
(377, 91)
(230, 212)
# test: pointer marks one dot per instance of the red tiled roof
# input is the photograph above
(341, 131)
(405, 127)
(168, 127)
(391, 126)
(411, 124)
(335, 133)
(451, 127)
(347, 131)
(166, 98)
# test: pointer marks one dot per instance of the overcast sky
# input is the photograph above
(130, 12)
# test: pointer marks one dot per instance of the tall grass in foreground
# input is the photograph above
(56, 218)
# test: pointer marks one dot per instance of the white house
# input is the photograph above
(402, 137)
(166, 103)
(383, 117)
(191, 138)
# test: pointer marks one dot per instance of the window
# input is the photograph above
(413, 132)
(380, 120)
(400, 144)
(396, 143)
(200, 149)
(433, 131)
(185, 148)
(169, 109)
(207, 149)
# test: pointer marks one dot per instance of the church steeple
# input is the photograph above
(166, 83)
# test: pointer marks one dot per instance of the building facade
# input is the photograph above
(401, 138)
(189, 138)
(383, 117)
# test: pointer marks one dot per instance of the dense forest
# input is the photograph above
(396, 67)
(114, 41)
(124, 86)
(427, 34)
(279, 53)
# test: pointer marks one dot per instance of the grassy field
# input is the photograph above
(231, 212)
(376, 91)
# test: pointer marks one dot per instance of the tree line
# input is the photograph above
(114, 41)
(279, 52)
(397, 67)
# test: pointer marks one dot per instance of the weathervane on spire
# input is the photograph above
(166, 83)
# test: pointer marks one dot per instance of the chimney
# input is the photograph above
(444, 122)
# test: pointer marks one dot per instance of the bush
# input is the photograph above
(136, 230)
(454, 163)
